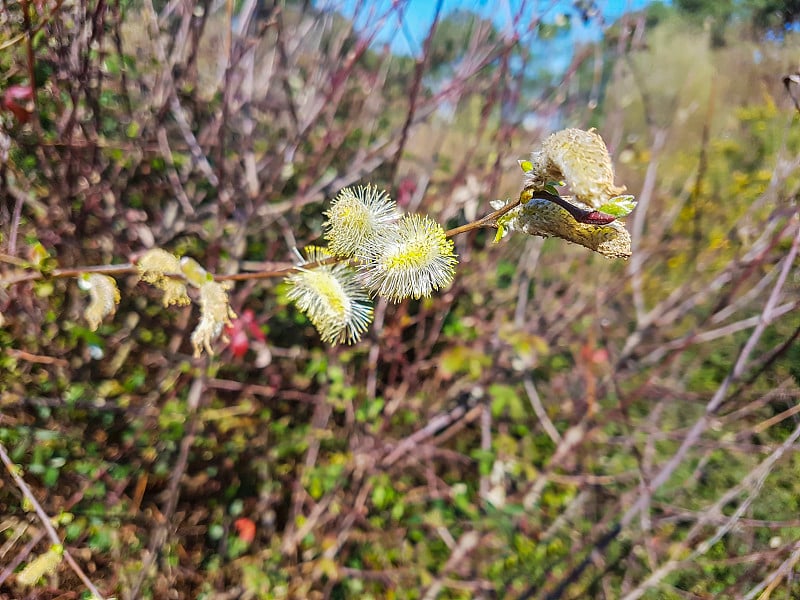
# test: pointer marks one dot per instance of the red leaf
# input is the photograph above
(239, 343)
(246, 528)
(256, 332)
(600, 356)
(241, 331)
(12, 98)
(249, 318)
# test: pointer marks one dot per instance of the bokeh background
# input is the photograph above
(554, 425)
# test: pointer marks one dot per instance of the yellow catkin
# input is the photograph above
(331, 297)
(159, 268)
(418, 260)
(579, 158)
(195, 274)
(215, 313)
(103, 298)
(357, 219)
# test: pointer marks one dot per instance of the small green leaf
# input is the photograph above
(620, 206)
(379, 496)
(525, 165)
(551, 188)
(132, 130)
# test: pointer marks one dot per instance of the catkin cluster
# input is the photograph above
(580, 160)
(171, 275)
(375, 251)
(372, 250)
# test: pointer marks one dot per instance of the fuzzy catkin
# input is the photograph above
(581, 159)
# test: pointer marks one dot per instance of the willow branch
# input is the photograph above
(489, 220)
(581, 215)
(120, 269)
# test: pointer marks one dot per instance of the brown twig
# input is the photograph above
(121, 269)
(36, 358)
(416, 86)
(31, 59)
(162, 529)
(489, 220)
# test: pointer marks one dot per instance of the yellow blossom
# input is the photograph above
(103, 297)
(159, 268)
(358, 218)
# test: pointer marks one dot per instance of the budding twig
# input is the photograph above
(489, 220)
(589, 217)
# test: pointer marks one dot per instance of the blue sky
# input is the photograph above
(407, 37)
